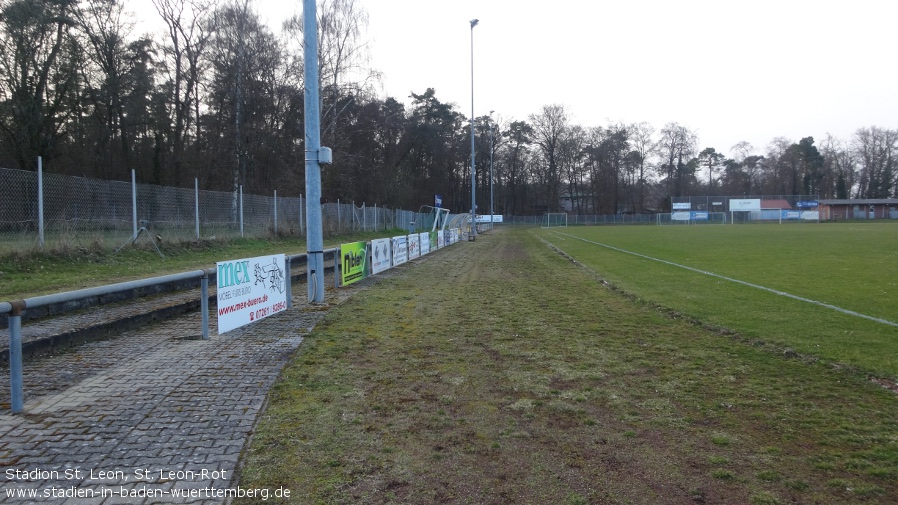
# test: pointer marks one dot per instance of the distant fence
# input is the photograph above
(584, 219)
(39, 210)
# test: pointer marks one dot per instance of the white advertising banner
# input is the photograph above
(400, 250)
(681, 216)
(380, 255)
(441, 239)
(681, 206)
(250, 289)
(745, 205)
(424, 239)
(414, 246)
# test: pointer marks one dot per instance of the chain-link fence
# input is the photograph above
(54, 211)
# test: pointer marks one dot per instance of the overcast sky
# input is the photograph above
(731, 71)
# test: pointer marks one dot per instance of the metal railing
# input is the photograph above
(14, 309)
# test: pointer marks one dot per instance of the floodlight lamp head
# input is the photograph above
(474, 23)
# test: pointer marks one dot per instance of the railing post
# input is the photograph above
(204, 303)
(16, 387)
(289, 276)
(337, 267)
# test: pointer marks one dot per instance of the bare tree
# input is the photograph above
(741, 150)
(840, 168)
(343, 58)
(548, 128)
(642, 142)
(514, 167)
(773, 179)
(676, 147)
(187, 35)
(876, 149)
(571, 156)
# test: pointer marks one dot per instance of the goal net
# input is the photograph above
(554, 219)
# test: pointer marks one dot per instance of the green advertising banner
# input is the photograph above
(355, 262)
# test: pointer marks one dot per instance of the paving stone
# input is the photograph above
(148, 399)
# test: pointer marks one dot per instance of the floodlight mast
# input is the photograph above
(473, 179)
(315, 235)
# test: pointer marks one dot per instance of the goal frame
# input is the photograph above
(554, 220)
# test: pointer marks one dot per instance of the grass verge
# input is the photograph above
(499, 372)
(37, 273)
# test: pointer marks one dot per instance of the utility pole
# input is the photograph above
(314, 158)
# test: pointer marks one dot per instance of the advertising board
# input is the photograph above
(380, 255)
(250, 289)
(354, 258)
(690, 215)
(737, 205)
(424, 241)
(414, 246)
(399, 246)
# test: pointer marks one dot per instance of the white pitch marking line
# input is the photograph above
(744, 283)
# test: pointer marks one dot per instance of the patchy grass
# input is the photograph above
(499, 372)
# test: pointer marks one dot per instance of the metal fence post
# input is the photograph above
(133, 204)
(204, 303)
(196, 200)
(241, 211)
(40, 202)
(275, 213)
(15, 358)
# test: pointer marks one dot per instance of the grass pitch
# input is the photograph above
(850, 266)
(497, 371)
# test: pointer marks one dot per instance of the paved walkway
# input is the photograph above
(148, 416)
